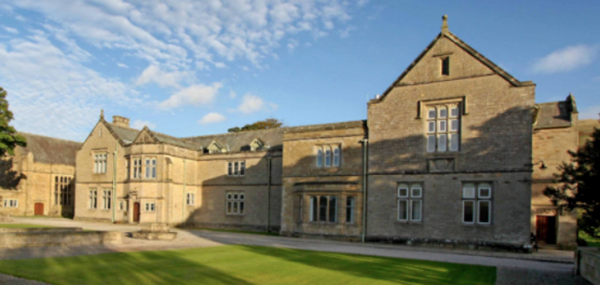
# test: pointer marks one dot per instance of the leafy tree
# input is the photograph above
(580, 189)
(9, 138)
(270, 123)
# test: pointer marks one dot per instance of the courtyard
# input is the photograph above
(221, 257)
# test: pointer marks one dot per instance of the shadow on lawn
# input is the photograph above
(96, 267)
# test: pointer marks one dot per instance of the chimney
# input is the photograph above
(121, 121)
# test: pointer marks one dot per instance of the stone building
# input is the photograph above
(39, 178)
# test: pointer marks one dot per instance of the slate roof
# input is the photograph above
(240, 141)
(126, 135)
(327, 127)
(553, 115)
(50, 150)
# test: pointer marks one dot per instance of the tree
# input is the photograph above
(270, 123)
(580, 189)
(9, 139)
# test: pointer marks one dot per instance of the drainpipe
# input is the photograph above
(184, 195)
(268, 190)
(364, 211)
(115, 156)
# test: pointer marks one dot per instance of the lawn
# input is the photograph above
(243, 265)
(590, 241)
(22, 226)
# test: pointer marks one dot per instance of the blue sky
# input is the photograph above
(188, 68)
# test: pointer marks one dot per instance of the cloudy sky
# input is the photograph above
(186, 68)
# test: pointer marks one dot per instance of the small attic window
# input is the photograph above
(445, 66)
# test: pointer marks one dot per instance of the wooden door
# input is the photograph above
(546, 229)
(136, 212)
(38, 209)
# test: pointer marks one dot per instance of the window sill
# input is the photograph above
(235, 176)
(409, 222)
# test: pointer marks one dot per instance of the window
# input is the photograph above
(137, 168)
(234, 203)
(63, 190)
(350, 210)
(128, 172)
(236, 168)
(93, 199)
(190, 199)
(11, 203)
(150, 207)
(477, 203)
(328, 156)
(300, 209)
(410, 202)
(122, 205)
(100, 163)
(445, 66)
(106, 199)
(442, 128)
(151, 168)
(323, 209)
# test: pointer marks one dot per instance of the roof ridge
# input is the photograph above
(118, 126)
(66, 140)
(241, 132)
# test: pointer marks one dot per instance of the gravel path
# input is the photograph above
(545, 267)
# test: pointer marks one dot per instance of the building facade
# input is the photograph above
(451, 154)
(40, 178)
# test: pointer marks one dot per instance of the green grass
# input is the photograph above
(590, 241)
(22, 226)
(243, 265)
(235, 231)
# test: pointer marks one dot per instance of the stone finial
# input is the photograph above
(102, 114)
(445, 26)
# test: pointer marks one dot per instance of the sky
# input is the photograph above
(190, 68)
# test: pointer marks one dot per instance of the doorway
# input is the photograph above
(38, 209)
(546, 229)
(136, 212)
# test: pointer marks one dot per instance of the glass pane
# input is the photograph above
(431, 143)
(454, 111)
(403, 210)
(235, 196)
(333, 209)
(229, 168)
(454, 125)
(416, 192)
(442, 143)
(403, 191)
(323, 208)
(319, 160)
(235, 211)
(484, 212)
(432, 127)
(442, 126)
(442, 113)
(484, 193)
(432, 113)
(241, 196)
(336, 156)
(314, 208)
(235, 168)
(241, 207)
(468, 211)
(328, 157)
(469, 191)
(416, 210)
(454, 143)
(350, 209)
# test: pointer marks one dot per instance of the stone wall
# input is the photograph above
(587, 264)
(64, 238)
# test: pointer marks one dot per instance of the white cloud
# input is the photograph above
(211, 118)
(220, 65)
(590, 113)
(154, 74)
(11, 30)
(122, 65)
(194, 95)
(252, 103)
(566, 59)
(140, 125)
(232, 94)
(362, 2)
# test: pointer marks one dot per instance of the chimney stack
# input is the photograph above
(121, 121)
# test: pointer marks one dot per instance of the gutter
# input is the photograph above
(184, 195)
(268, 191)
(365, 142)
(114, 194)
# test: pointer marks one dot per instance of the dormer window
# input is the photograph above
(256, 144)
(445, 66)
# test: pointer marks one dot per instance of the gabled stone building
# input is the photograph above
(445, 157)
(40, 178)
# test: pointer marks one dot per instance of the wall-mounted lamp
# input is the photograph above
(542, 164)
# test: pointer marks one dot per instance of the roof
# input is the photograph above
(126, 135)
(447, 34)
(163, 138)
(553, 115)
(50, 150)
(328, 127)
(241, 141)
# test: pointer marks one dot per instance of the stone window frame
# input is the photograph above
(316, 208)
(440, 125)
(477, 199)
(445, 65)
(410, 199)
(11, 203)
(150, 168)
(328, 155)
(190, 199)
(123, 205)
(136, 167)
(235, 203)
(93, 199)
(350, 209)
(236, 168)
(150, 207)
(107, 198)
(63, 190)
(100, 162)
